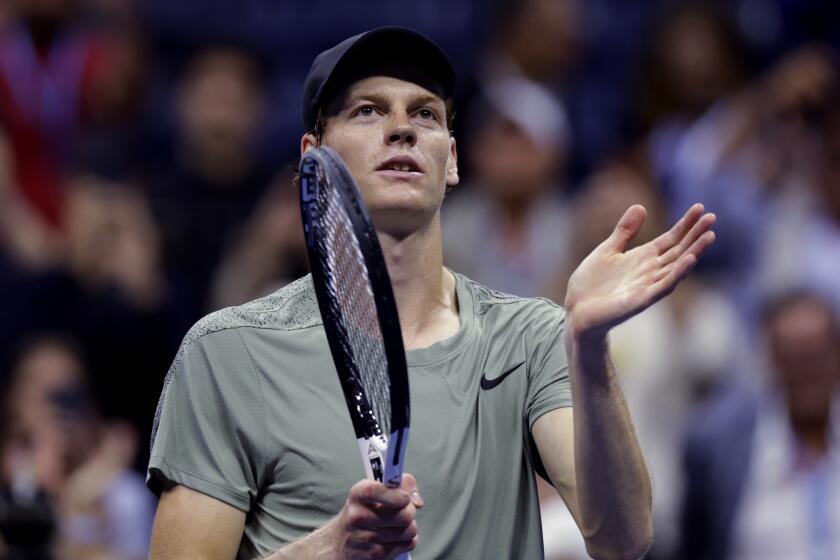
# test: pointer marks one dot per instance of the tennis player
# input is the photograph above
(254, 453)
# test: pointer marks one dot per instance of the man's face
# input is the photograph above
(219, 105)
(807, 359)
(392, 134)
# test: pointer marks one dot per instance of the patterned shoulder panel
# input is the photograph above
(289, 308)
(484, 297)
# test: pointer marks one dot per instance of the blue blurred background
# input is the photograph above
(146, 156)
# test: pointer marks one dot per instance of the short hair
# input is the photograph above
(774, 306)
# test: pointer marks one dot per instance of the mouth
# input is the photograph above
(401, 167)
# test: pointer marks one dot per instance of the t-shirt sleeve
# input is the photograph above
(548, 384)
(211, 431)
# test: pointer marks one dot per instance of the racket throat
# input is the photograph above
(374, 451)
(384, 462)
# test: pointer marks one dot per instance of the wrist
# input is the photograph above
(588, 356)
(580, 334)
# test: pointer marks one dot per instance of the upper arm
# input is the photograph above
(211, 432)
(189, 524)
(554, 435)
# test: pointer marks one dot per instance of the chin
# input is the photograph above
(401, 222)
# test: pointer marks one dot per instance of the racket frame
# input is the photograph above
(323, 165)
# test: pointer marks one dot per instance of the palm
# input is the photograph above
(611, 284)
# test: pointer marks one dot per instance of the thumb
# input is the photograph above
(409, 484)
(627, 228)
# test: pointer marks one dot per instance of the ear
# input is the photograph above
(307, 142)
(452, 165)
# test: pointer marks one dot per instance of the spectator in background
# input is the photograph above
(104, 283)
(670, 354)
(802, 244)
(54, 442)
(51, 68)
(203, 195)
(113, 292)
(695, 62)
(543, 41)
(695, 58)
(508, 228)
(23, 238)
(763, 465)
(27, 251)
(269, 251)
(744, 148)
(534, 39)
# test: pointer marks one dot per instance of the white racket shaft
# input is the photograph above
(378, 460)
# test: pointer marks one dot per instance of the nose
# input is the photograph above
(401, 131)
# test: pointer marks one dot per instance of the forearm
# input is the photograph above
(613, 485)
(317, 545)
(375, 522)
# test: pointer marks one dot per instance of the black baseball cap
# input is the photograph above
(396, 51)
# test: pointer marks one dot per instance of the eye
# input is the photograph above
(365, 111)
(427, 114)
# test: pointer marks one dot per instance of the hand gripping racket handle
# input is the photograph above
(393, 468)
(383, 462)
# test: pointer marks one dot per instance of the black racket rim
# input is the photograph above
(326, 161)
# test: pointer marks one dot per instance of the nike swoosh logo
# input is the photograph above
(488, 384)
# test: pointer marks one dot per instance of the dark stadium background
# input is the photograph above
(146, 156)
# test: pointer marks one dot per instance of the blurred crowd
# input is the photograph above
(146, 157)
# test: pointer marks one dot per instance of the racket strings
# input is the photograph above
(350, 288)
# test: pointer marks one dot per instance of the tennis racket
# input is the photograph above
(359, 312)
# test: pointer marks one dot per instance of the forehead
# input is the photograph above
(387, 88)
(806, 319)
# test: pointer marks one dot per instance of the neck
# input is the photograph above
(424, 290)
(813, 435)
(516, 212)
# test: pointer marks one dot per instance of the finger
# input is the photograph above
(668, 282)
(673, 236)
(388, 517)
(362, 517)
(689, 241)
(697, 248)
(701, 244)
(409, 484)
(369, 543)
(371, 492)
(396, 535)
(626, 229)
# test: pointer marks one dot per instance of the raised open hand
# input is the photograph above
(612, 284)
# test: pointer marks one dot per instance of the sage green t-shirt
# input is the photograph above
(253, 415)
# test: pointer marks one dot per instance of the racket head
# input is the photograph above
(357, 305)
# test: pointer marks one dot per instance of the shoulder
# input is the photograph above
(489, 302)
(214, 344)
(292, 307)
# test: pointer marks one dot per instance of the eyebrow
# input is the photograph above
(421, 99)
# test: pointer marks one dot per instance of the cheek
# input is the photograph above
(439, 154)
(352, 149)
